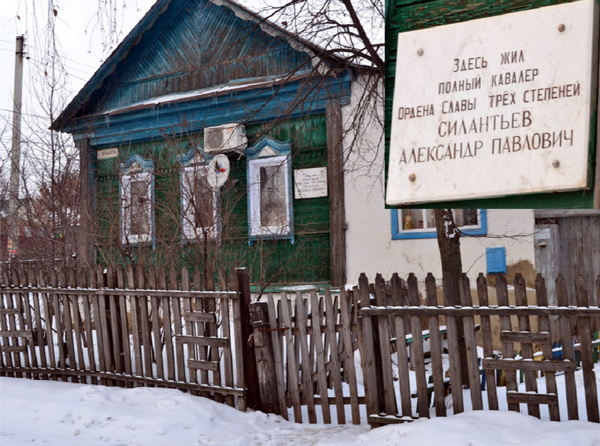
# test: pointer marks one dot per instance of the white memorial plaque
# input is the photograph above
(105, 154)
(494, 107)
(310, 183)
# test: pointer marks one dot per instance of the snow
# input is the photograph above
(59, 413)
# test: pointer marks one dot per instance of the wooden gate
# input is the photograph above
(402, 380)
(122, 327)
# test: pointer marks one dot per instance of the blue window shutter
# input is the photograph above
(496, 259)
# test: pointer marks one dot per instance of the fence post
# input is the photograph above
(250, 375)
(265, 362)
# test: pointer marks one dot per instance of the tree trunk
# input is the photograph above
(448, 237)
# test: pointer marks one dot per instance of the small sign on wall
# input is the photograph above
(106, 154)
(310, 183)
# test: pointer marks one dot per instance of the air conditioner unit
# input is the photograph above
(225, 138)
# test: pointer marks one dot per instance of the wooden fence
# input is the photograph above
(299, 350)
(402, 371)
(305, 346)
(125, 327)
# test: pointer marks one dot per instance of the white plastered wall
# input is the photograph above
(369, 245)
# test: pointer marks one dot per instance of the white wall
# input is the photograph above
(369, 243)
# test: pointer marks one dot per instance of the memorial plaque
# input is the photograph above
(494, 107)
(310, 183)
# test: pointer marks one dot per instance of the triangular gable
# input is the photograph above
(183, 45)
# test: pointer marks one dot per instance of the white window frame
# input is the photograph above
(127, 238)
(258, 231)
(189, 229)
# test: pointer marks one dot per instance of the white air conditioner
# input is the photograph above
(225, 138)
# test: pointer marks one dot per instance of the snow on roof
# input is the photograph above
(229, 87)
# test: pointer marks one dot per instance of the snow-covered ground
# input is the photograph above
(63, 414)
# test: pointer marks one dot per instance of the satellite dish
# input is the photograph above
(218, 171)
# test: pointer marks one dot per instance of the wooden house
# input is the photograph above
(213, 137)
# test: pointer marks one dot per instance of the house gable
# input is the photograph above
(202, 45)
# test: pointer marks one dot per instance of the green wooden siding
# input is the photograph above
(408, 15)
(269, 262)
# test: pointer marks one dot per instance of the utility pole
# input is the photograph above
(15, 153)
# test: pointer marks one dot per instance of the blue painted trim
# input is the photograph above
(169, 119)
(496, 259)
(398, 234)
(187, 158)
(146, 165)
(281, 148)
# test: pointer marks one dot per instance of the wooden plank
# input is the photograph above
(39, 331)
(8, 310)
(330, 316)
(277, 357)
(145, 324)
(203, 365)
(237, 342)
(212, 329)
(525, 337)
(167, 323)
(471, 346)
(58, 326)
(7, 361)
(190, 329)
(316, 318)
(530, 310)
(348, 354)
(265, 364)
(199, 316)
(203, 341)
(386, 378)
(145, 381)
(137, 365)
(28, 324)
(68, 331)
(437, 369)
(114, 329)
(156, 343)
(526, 348)
(87, 325)
(544, 327)
(292, 366)
(14, 349)
(418, 350)
(587, 361)
(177, 327)
(508, 348)
(389, 419)
(226, 355)
(455, 364)
(16, 334)
(367, 352)
(77, 324)
(301, 323)
(402, 354)
(529, 365)
(568, 351)
(487, 340)
(335, 182)
(533, 398)
(126, 347)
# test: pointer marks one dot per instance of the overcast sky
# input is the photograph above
(79, 37)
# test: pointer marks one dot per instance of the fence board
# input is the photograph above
(292, 368)
(302, 339)
(316, 318)
(568, 351)
(348, 355)
(330, 316)
(488, 349)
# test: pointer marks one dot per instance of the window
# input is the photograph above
(199, 202)
(270, 214)
(420, 223)
(137, 202)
